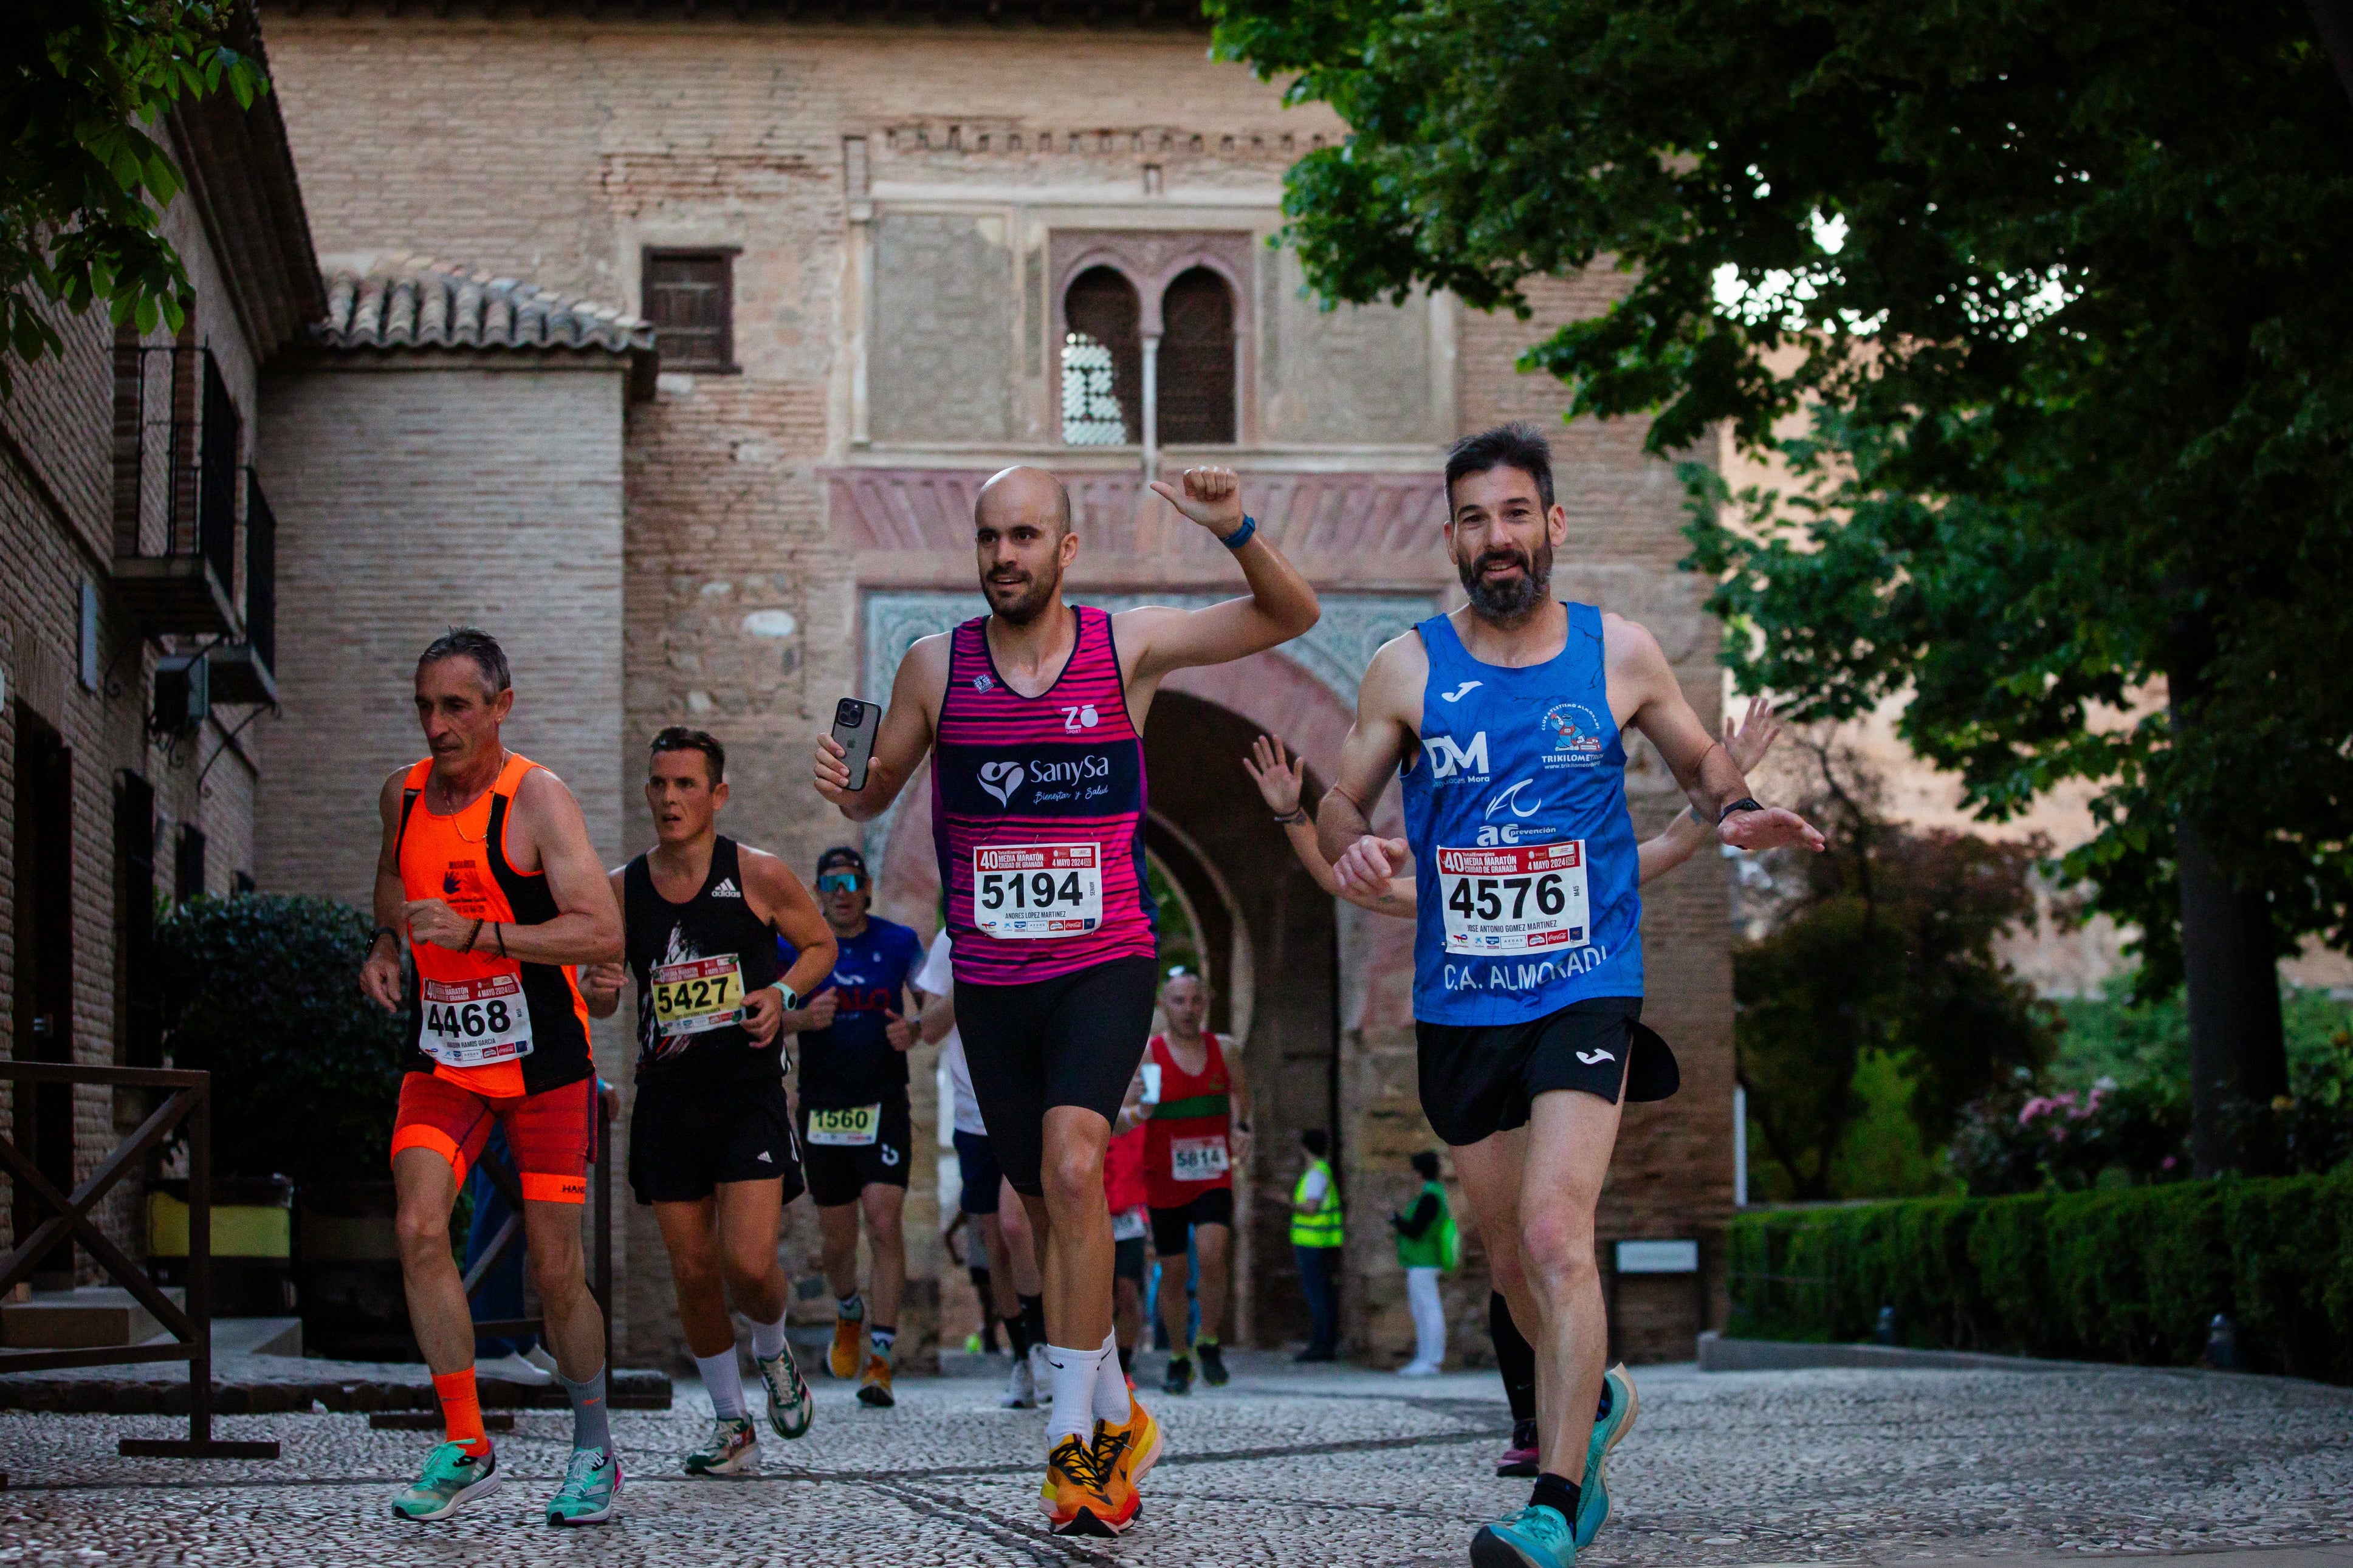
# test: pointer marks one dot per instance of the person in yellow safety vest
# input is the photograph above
(1315, 1240)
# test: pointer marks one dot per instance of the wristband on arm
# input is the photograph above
(1746, 803)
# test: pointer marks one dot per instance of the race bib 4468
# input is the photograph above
(1525, 898)
(474, 1023)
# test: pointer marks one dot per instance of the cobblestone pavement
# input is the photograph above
(1282, 1466)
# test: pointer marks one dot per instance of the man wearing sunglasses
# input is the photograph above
(856, 1142)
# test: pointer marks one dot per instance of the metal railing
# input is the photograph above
(187, 1098)
(178, 434)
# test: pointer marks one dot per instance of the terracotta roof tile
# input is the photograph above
(420, 302)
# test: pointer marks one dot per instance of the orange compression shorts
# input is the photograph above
(553, 1135)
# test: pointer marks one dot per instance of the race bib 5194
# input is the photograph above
(1031, 891)
(1519, 897)
(474, 1023)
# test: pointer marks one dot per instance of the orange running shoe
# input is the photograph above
(874, 1388)
(847, 1357)
(1126, 1453)
(1074, 1495)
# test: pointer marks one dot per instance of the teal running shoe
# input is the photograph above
(1535, 1537)
(733, 1448)
(791, 1406)
(1593, 1491)
(452, 1479)
(591, 1488)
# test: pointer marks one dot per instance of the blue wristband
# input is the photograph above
(1241, 535)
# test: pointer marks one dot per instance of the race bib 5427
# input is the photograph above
(697, 994)
(1031, 891)
(1515, 898)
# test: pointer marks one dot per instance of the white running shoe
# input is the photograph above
(512, 1368)
(1021, 1388)
(1041, 1374)
(540, 1356)
(1419, 1369)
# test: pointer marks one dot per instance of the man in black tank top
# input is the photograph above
(711, 1134)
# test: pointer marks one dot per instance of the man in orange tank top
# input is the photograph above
(1197, 1127)
(489, 883)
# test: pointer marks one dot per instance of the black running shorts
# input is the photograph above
(976, 1169)
(1172, 1229)
(1483, 1078)
(682, 1145)
(838, 1172)
(1127, 1259)
(1071, 1040)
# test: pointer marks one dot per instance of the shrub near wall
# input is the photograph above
(2130, 1276)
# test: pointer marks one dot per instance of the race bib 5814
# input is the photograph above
(1197, 1158)
(1518, 897)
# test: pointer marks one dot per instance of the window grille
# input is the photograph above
(689, 297)
(1196, 371)
(1102, 361)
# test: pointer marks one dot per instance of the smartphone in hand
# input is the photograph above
(855, 721)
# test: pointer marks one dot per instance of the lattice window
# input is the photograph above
(1196, 371)
(1102, 361)
(689, 297)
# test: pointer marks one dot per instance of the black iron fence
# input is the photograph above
(260, 573)
(177, 433)
(187, 1097)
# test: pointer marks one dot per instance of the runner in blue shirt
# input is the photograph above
(856, 1143)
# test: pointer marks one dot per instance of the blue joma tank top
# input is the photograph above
(1516, 808)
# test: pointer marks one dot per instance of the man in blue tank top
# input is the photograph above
(1506, 721)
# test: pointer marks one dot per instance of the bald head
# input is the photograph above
(1023, 494)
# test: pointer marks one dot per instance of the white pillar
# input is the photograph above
(1152, 408)
(1739, 1147)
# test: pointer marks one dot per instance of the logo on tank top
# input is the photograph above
(1576, 734)
(1459, 692)
(1448, 758)
(1001, 779)
(1083, 718)
(727, 888)
(981, 682)
(449, 883)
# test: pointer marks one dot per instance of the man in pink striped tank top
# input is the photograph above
(1034, 717)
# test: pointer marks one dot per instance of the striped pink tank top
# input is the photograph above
(1037, 811)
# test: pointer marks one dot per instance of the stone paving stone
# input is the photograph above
(1283, 1466)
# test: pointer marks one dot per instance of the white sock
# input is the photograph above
(723, 1382)
(769, 1339)
(1074, 1393)
(1111, 1384)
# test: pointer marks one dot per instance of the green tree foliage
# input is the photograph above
(82, 182)
(1885, 949)
(263, 990)
(2041, 301)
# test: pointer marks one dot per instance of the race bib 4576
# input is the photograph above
(1520, 897)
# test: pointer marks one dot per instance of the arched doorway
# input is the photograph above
(1270, 946)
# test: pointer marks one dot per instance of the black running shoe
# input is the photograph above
(1180, 1376)
(1213, 1365)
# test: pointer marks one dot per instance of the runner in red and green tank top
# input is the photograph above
(1200, 1126)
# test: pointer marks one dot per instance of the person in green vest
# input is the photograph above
(1427, 1246)
(1315, 1239)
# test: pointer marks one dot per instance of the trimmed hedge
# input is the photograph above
(2128, 1276)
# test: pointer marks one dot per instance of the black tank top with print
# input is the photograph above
(694, 964)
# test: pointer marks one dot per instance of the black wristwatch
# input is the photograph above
(1746, 803)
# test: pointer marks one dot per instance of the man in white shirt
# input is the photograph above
(1019, 1300)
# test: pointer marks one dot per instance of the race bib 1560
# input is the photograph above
(474, 1023)
(1520, 897)
(1031, 892)
(697, 994)
(847, 1125)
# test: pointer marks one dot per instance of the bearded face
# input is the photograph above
(1505, 580)
(1019, 589)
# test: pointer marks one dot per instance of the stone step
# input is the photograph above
(89, 1316)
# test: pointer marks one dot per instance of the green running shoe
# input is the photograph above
(735, 1446)
(1593, 1491)
(791, 1406)
(591, 1488)
(1535, 1537)
(452, 1479)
